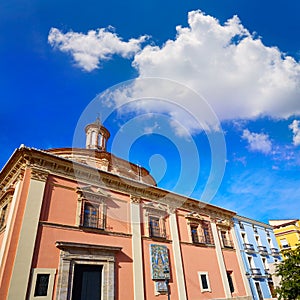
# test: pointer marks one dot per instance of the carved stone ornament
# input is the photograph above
(224, 223)
(193, 216)
(156, 209)
(172, 209)
(135, 199)
(38, 174)
(86, 192)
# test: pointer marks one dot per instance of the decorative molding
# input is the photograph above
(70, 247)
(75, 228)
(7, 196)
(88, 194)
(194, 217)
(134, 199)
(172, 209)
(16, 173)
(225, 223)
(84, 174)
(155, 209)
(78, 253)
(38, 174)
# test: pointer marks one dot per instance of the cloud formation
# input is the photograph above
(259, 142)
(239, 76)
(296, 132)
(91, 49)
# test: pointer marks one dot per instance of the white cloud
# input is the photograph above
(239, 76)
(151, 129)
(294, 126)
(258, 141)
(89, 50)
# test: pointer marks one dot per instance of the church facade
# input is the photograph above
(84, 224)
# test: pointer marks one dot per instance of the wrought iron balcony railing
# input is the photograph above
(267, 273)
(249, 248)
(227, 243)
(202, 239)
(156, 232)
(256, 272)
(275, 252)
(262, 250)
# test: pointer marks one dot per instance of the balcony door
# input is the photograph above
(87, 282)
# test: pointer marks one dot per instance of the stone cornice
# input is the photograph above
(7, 196)
(156, 209)
(86, 175)
(38, 174)
(253, 222)
(69, 245)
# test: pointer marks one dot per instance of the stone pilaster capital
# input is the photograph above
(135, 199)
(172, 209)
(38, 174)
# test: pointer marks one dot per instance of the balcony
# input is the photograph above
(227, 243)
(275, 252)
(262, 250)
(201, 239)
(267, 273)
(256, 273)
(285, 247)
(249, 248)
(159, 233)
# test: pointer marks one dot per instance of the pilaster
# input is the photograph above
(220, 259)
(27, 237)
(177, 255)
(241, 263)
(137, 252)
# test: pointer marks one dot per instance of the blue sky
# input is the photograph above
(227, 70)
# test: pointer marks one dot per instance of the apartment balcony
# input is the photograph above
(262, 250)
(249, 248)
(267, 273)
(285, 247)
(256, 273)
(275, 252)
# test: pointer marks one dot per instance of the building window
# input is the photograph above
(226, 241)
(255, 229)
(41, 285)
(3, 216)
(194, 233)
(259, 291)
(241, 226)
(207, 232)
(201, 232)
(157, 227)
(91, 208)
(284, 244)
(93, 215)
(204, 282)
(156, 215)
(230, 281)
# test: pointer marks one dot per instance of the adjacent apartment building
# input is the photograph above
(287, 233)
(85, 224)
(259, 255)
